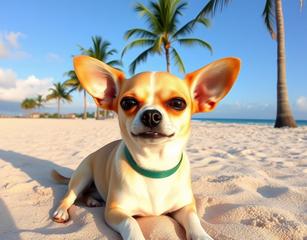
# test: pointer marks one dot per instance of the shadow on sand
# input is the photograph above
(39, 170)
(7, 224)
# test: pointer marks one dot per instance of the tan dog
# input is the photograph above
(147, 173)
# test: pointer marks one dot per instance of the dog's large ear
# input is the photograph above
(211, 83)
(101, 81)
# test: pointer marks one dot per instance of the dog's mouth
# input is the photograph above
(152, 134)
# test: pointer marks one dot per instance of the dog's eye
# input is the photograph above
(177, 103)
(128, 103)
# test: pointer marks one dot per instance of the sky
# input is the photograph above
(39, 38)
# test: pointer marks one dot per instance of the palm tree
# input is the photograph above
(273, 19)
(28, 103)
(162, 18)
(74, 84)
(59, 93)
(101, 50)
(39, 101)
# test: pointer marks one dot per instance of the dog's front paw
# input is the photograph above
(61, 215)
(199, 235)
(132, 230)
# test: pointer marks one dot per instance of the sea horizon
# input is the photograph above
(299, 122)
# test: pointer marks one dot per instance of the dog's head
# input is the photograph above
(156, 107)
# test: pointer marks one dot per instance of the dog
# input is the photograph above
(147, 173)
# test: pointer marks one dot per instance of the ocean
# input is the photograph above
(245, 121)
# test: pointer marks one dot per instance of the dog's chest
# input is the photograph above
(164, 197)
(147, 197)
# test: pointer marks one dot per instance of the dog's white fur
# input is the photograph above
(126, 192)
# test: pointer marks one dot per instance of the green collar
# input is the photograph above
(150, 173)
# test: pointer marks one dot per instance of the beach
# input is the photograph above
(249, 181)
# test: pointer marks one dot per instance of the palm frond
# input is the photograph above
(59, 91)
(158, 11)
(114, 63)
(100, 49)
(72, 89)
(70, 74)
(150, 17)
(110, 52)
(141, 58)
(178, 60)
(157, 46)
(268, 15)
(177, 8)
(139, 32)
(28, 103)
(84, 51)
(137, 43)
(162, 12)
(66, 97)
(195, 41)
(73, 85)
(39, 101)
(189, 27)
(73, 82)
(211, 7)
(204, 21)
(51, 96)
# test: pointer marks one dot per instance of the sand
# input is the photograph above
(250, 181)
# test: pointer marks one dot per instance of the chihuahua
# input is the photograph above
(147, 173)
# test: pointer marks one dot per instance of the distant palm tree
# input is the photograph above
(272, 15)
(75, 85)
(101, 50)
(162, 32)
(60, 93)
(28, 103)
(39, 101)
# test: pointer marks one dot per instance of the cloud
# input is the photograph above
(10, 46)
(4, 52)
(7, 78)
(53, 57)
(301, 103)
(14, 89)
(12, 38)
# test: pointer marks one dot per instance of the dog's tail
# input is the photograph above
(59, 178)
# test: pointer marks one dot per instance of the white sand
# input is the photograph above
(250, 182)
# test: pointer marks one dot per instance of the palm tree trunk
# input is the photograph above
(166, 48)
(284, 116)
(97, 113)
(84, 102)
(58, 108)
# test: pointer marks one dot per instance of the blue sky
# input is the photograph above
(38, 38)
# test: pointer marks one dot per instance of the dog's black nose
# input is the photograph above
(151, 118)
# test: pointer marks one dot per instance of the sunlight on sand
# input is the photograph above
(248, 180)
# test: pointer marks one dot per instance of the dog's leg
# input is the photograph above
(126, 225)
(81, 178)
(188, 218)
